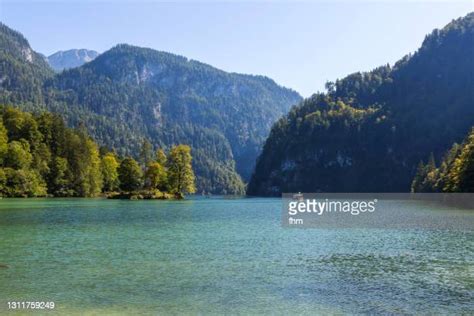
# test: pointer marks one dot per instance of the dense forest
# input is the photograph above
(367, 132)
(22, 70)
(129, 93)
(455, 172)
(40, 156)
(370, 130)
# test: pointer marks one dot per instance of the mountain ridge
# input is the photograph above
(369, 131)
(128, 94)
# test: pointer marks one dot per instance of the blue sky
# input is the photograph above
(300, 45)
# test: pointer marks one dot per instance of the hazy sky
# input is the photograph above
(300, 45)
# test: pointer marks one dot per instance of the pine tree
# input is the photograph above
(146, 153)
(462, 175)
(416, 185)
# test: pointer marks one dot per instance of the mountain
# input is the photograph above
(454, 173)
(370, 130)
(131, 93)
(71, 58)
(22, 70)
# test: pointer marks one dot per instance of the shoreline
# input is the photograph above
(144, 195)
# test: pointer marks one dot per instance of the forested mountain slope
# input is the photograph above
(22, 70)
(130, 93)
(370, 130)
(454, 173)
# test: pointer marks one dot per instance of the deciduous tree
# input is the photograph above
(110, 166)
(180, 172)
(130, 175)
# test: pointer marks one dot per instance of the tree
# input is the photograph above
(455, 173)
(155, 176)
(3, 182)
(84, 162)
(24, 183)
(21, 125)
(180, 172)
(146, 153)
(83, 159)
(110, 166)
(58, 180)
(39, 154)
(462, 174)
(94, 173)
(431, 176)
(13, 119)
(447, 164)
(3, 141)
(417, 183)
(41, 159)
(161, 157)
(18, 155)
(130, 175)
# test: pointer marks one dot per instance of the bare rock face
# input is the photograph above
(70, 58)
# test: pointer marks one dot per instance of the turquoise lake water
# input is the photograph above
(227, 256)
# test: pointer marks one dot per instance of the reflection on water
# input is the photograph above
(227, 256)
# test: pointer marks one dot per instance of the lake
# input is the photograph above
(215, 256)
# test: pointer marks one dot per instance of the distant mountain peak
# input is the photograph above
(71, 58)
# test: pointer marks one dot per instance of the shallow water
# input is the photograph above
(214, 256)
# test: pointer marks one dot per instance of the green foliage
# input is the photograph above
(146, 153)
(23, 183)
(161, 157)
(41, 159)
(23, 70)
(180, 173)
(43, 156)
(130, 93)
(3, 141)
(156, 176)
(84, 161)
(110, 166)
(58, 178)
(427, 177)
(93, 173)
(462, 174)
(3, 181)
(18, 155)
(130, 175)
(370, 130)
(53, 159)
(455, 173)
(224, 116)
